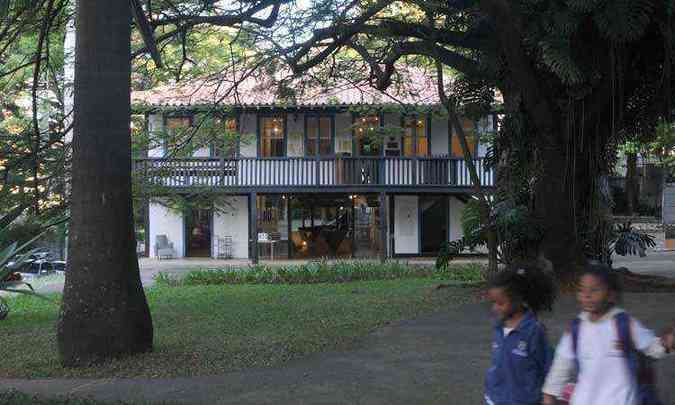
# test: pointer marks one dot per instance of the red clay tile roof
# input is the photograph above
(413, 87)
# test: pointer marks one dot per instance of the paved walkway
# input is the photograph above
(438, 359)
(660, 263)
(149, 269)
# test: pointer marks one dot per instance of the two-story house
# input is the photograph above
(331, 171)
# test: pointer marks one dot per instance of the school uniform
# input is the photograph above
(604, 376)
(521, 358)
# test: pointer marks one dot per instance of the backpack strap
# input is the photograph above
(574, 334)
(623, 326)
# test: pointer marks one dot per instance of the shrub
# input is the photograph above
(322, 272)
(10, 281)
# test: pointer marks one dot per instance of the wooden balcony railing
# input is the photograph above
(307, 172)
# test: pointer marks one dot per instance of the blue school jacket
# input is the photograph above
(520, 362)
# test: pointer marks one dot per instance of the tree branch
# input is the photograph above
(508, 25)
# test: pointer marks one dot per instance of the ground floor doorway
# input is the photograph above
(313, 226)
(434, 223)
(198, 226)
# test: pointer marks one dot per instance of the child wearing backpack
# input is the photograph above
(521, 354)
(606, 347)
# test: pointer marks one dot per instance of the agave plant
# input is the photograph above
(10, 281)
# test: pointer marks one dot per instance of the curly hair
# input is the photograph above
(528, 284)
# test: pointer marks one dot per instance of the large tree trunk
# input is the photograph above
(104, 312)
(555, 205)
(631, 184)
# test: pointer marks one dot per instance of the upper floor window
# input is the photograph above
(415, 128)
(272, 137)
(367, 135)
(319, 136)
(140, 141)
(471, 139)
(226, 144)
(176, 131)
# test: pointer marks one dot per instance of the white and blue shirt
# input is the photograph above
(521, 359)
(604, 377)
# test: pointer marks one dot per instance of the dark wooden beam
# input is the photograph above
(367, 189)
(253, 227)
(383, 226)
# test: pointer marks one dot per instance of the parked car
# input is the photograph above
(59, 266)
(33, 269)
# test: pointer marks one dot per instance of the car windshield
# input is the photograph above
(59, 266)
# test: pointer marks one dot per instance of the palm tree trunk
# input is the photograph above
(104, 312)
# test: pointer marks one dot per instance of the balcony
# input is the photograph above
(325, 174)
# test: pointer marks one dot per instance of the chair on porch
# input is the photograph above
(224, 247)
(164, 248)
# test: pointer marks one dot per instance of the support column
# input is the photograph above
(383, 227)
(253, 227)
(289, 219)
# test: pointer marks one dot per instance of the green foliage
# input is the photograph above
(18, 398)
(199, 52)
(322, 272)
(628, 241)
(450, 250)
(663, 146)
(472, 226)
(609, 238)
(21, 232)
(624, 20)
(474, 97)
(559, 59)
(518, 233)
(11, 281)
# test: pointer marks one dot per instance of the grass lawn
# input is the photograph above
(212, 329)
(17, 398)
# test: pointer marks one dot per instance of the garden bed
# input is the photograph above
(324, 272)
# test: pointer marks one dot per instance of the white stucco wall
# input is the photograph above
(455, 207)
(202, 152)
(155, 128)
(484, 125)
(439, 136)
(295, 142)
(406, 224)
(248, 146)
(164, 221)
(233, 221)
(482, 150)
(343, 133)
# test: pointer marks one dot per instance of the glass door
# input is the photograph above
(198, 233)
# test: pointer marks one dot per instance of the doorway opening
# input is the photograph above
(434, 223)
(198, 232)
